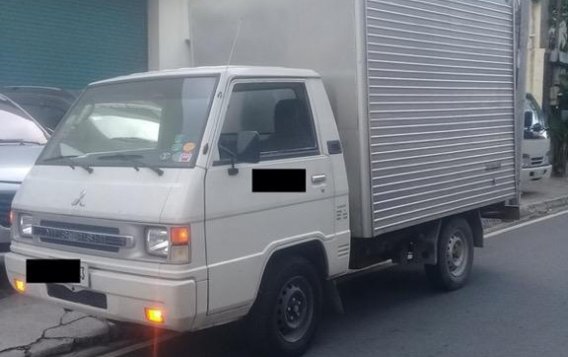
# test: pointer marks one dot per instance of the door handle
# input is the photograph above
(317, 179)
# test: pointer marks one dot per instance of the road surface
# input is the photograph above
(515, 305)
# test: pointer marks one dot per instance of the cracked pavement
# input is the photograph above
(31, 328)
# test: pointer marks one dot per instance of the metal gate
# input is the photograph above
(69, 43)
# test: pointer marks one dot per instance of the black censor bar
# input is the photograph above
(278, 180)
(53, 271)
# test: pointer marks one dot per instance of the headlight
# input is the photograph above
(25, 225)
(173, 243)
(157, 242)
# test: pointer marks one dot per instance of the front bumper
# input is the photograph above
(535, 173)
(127, 295)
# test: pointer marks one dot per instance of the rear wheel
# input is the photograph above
(288, 308)
(455, 256)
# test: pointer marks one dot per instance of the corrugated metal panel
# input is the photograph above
(70, 43)
(441, 106)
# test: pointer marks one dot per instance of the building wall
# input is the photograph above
(168, 34)
(536, 50)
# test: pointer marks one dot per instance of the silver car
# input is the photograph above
(21, 141)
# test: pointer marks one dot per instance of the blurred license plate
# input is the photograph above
(84, 275)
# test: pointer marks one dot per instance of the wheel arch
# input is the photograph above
(313, 251)
(473, 218)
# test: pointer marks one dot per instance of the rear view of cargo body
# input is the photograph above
(423, 93)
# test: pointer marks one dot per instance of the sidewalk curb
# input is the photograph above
(530, 212)
(545, 207)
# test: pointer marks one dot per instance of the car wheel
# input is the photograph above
(284, 318)
(455, 256)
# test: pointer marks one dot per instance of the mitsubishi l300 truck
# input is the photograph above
(189, 198)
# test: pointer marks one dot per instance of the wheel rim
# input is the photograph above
(457, 254)
(295, 309)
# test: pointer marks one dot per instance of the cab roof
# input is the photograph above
(230, 71)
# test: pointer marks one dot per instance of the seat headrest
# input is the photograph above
(287, 115)
(287, 108)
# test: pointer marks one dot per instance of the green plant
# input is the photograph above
(558, 130)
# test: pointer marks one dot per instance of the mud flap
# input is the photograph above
(333, 297)
(430, 243)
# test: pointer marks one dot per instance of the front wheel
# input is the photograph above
(285, 316)
(455, 256)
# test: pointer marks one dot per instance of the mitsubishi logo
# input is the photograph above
(79, 201)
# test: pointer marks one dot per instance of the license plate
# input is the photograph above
(53, 271)
(84, 275)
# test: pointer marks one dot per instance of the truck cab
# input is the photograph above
(536, 165)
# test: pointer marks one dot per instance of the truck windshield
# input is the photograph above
(159, 122)
(17, 127)
(535, 123)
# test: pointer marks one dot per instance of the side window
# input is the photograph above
(279, 112)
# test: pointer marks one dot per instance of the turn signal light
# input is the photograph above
(154, 315)
(180, 235)
(20, 285)
(11, 217)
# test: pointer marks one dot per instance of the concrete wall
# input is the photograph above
(537, 49)
(168, 34)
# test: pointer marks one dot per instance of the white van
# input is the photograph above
(194, 197)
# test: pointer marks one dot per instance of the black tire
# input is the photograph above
(455, 256)
(288, 283)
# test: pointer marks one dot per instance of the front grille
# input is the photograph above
(79, 227)
(5, 205)
(105, 239)
(537, 161)
(85, 297)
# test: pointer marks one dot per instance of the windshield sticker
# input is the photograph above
(182, 157)
(180, 139)
(165, 156)
(177, 147)
(185, 157)
(189, 147)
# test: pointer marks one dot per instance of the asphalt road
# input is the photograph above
(515, 305)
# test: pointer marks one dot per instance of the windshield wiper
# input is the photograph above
(135, 159)
(70, 162)
(19, 141)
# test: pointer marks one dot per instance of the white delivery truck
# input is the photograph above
(195, 197)
(536, 146)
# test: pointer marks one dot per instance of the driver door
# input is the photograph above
(244, 226)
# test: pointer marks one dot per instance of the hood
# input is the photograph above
(116, 193)
(17, 160)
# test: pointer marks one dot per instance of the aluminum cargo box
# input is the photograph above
(422, 90)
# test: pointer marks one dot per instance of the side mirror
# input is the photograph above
(248, 147)
(537, 128)
(528, 119)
